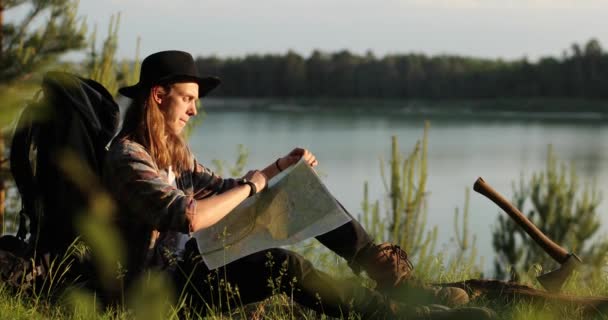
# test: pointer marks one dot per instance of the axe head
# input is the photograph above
(553, 280)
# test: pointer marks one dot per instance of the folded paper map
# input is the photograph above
(295, 206)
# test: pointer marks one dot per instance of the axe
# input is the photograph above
(553, 280)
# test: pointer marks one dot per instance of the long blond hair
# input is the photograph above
(145, 124)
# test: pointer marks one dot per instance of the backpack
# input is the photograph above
(78, 115)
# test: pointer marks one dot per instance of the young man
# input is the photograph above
(164, 194)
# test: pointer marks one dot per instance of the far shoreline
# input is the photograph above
(535, 108)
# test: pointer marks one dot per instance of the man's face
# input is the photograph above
(179, 105)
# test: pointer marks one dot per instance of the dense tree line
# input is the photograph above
(581, 72)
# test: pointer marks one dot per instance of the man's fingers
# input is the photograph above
(298, 152)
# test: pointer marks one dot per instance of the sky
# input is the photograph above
(508, 29)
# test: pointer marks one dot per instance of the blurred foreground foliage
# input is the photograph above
(29, 47)
(34, 45)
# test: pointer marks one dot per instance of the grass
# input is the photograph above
(149, 302)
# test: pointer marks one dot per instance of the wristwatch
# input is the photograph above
(246, 181)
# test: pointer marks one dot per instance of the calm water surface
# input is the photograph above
(461, 148)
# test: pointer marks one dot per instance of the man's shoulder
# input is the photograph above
(124, 148)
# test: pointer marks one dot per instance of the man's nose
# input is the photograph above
(192, 110)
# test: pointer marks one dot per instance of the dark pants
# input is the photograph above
(262, 274)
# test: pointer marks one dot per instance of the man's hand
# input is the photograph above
(295, 155)
(258, 178)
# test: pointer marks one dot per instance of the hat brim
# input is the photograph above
(205, 85)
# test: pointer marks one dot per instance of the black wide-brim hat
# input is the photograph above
(168, 67)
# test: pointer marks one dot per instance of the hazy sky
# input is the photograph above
(483, 28)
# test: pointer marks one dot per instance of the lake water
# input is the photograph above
(461, 148)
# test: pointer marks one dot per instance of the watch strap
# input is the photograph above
(251, 185)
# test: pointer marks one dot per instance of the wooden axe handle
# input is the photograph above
(555, 251)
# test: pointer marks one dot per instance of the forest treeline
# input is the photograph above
(580, 72)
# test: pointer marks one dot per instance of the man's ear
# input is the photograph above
(158, 94)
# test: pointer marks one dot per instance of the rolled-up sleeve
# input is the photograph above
(206, 183)
(138, 184)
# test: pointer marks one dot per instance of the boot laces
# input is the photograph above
(396, 250)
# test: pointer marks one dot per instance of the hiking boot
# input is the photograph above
(389, 266)
(385, 263)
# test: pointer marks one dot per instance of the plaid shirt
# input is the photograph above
(149, 204)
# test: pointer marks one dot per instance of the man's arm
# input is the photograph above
(210, 210)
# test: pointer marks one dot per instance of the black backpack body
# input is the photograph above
(75, 115)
